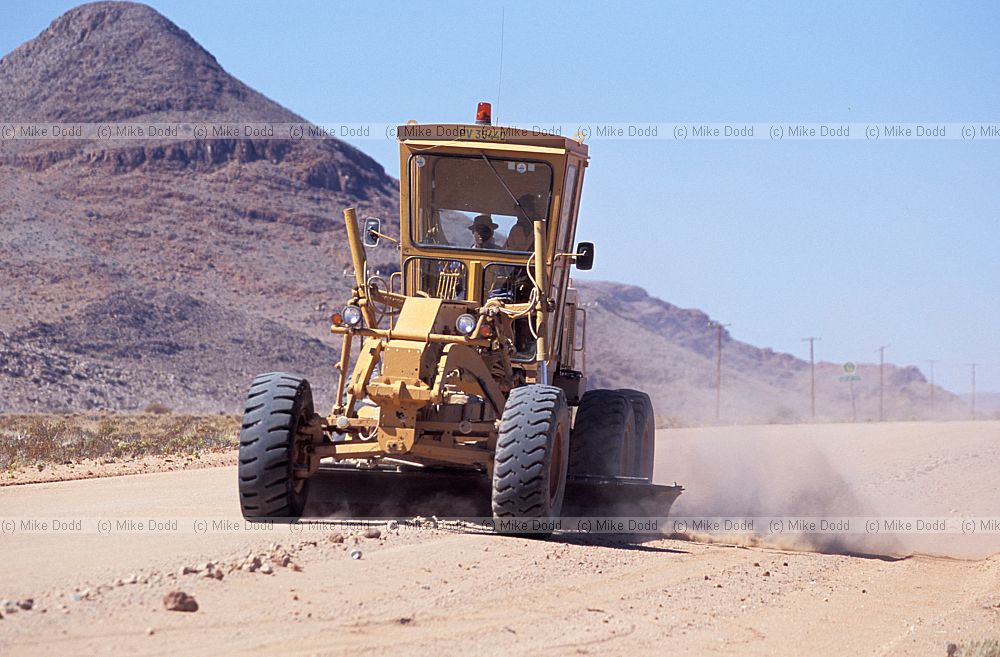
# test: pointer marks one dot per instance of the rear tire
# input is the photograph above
(277, 405)
(529, 466)
(645, 432)
(603, 439)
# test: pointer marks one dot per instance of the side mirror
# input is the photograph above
(373, 226)
(585, 256)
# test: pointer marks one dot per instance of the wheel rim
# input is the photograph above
(298, 456)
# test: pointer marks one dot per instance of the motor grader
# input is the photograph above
(461, 373)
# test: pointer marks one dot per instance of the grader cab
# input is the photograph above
(461, 375)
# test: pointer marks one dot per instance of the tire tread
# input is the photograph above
(267, 433)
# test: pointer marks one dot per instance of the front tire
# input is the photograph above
(277, 406)
(529, 466)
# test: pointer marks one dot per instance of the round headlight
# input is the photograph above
(465, 324)
(351, 315)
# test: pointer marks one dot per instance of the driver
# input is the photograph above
(522, 235)
(482, 232)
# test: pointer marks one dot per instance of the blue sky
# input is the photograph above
(861, 243)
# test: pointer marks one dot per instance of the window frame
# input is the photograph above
(466, 271)
(414, 198)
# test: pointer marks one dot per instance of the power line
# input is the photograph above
(500, 75)
(812, 374)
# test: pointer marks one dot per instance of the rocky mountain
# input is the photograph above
(124, 62)
(240, 222)
(165, 346)
(118, 61)
(636, 340)
(172, 271)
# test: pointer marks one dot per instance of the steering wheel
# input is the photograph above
(381, 309)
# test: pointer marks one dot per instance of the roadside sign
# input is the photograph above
(850, 369)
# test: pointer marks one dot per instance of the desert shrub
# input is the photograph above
(784, 415)
(32, 440)
(668, 422)
(984, 648)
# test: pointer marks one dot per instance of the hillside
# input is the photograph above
(139, 272)
(677, 365)
(233, 221)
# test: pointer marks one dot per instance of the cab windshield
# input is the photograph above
(478, 202)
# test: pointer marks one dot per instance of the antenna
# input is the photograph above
(500, 76)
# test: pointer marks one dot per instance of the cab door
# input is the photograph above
(563, 243)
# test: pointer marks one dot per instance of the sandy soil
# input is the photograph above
(445, 591)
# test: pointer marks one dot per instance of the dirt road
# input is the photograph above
(445, 592)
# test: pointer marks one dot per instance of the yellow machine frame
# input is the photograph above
(424, 361)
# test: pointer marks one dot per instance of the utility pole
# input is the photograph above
(718, 366)
(812, 374)
(973, 366)
(932, 386)
(881, 382)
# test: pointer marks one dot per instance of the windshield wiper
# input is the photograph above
(505, 187)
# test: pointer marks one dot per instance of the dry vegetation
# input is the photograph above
(36, 440)
(985, 648)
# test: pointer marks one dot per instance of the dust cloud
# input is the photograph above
(833, 471)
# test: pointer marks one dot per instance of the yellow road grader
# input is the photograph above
(461, 374)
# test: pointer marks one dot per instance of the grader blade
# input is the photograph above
(617, 497)
(349, 492)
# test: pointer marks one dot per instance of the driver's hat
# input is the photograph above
(483, 221)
